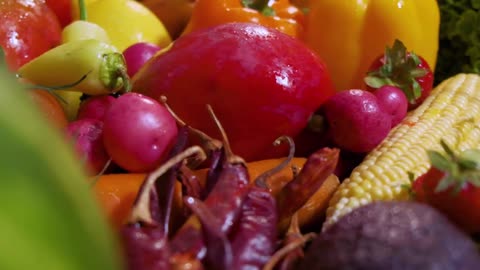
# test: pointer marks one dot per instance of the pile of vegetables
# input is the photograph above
(240, 134)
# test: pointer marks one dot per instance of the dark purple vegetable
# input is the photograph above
(392, 235)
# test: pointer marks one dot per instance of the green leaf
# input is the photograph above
(374, 82)
(48, 216)
(444, 184)
(439, 161)
(447, 148)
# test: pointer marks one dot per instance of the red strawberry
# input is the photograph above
(403, 69)
(452, 185)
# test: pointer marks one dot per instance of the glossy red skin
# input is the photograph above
(27, 29)
(137, 55)
(462, 208)
(261, 84)
(426, 82)
(356, 120)
(95, 107)
(87, 137)
(393, 101)
(63, 10)
(138, 132)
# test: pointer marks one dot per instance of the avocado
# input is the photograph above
(391, 236)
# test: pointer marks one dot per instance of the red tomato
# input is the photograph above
(63, 10)
(27, 29)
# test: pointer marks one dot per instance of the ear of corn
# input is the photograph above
(450, 113)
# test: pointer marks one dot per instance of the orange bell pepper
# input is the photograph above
(278, 14)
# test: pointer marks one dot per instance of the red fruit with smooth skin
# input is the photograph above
(87, 138)
(27, 29)
(393, 101)
(95, 107)
(137, 55)
(63, 10)
(138, 132)
(356, 120)
(261, 84)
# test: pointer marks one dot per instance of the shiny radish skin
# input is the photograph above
(138, 132)
(356, 120)
(86, 135)
(95, 107)
(138, 54)
(262, 83)
(393, 101)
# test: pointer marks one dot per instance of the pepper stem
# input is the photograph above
(259, 5)
(83, 10)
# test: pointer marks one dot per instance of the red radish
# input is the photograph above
(137, 55)
(394, 102)
(87, 137)
(356, 120)
(138, 132)
(95, 107)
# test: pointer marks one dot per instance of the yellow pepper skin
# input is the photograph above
(349, 34)
(101, 65)
(128, 22)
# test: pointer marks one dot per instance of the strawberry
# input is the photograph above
(403, 69)
(452, 185)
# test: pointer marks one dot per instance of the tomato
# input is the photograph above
(50, 107)
(27, 29)
(63, 10)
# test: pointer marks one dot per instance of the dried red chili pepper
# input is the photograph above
(144, 237)
(224, 201)
(296, 193)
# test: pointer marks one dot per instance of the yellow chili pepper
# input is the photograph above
(128, 22)
(349, 34)
(97, 67)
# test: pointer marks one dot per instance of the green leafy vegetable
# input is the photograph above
(459, 49)
(48, 216)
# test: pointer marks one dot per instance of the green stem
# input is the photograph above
(259, 5)
(83, 10)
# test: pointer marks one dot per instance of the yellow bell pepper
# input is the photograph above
(349, 34)
(128, 22)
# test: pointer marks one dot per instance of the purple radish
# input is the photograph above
(394, 102)
(137, 55)
(95, 107)
(356, 120)
(87, 137)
